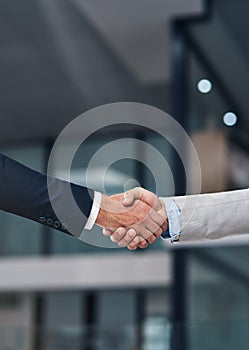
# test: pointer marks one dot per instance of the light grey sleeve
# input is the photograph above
(214, 215)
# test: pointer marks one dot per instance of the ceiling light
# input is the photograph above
(204, 86)
(230, 119)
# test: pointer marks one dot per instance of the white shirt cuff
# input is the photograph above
(94, 211)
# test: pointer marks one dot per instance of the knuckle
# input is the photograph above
(152, 239)
(161, 220)
(148, 236)
(159, 232)
(165, 225)
(154, 227)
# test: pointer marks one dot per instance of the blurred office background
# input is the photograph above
(60, 58)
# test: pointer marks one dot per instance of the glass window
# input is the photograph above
(218, 301)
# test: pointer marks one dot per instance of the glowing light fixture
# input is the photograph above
(204, 86)
(230, 119)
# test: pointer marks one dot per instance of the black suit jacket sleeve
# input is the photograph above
(24, 192)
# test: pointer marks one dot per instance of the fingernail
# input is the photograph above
(131, 233)
(120, 231)
(126, 200)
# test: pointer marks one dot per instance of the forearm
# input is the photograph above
(24, 192)
(212, 216)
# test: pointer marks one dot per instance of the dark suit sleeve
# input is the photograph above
(24, 192)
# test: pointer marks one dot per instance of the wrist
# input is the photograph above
(109, 212)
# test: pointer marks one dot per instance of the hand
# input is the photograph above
(137, 217)
(122, 235)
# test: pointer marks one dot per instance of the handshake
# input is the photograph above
(132, 219)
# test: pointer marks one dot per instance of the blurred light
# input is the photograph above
(204, 86)
(230, 119)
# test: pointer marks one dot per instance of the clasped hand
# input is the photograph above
(133, 219)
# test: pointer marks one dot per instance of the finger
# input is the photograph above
(146, 196)
(118, 234)
(143, 243)
(158, 232)
(157, 218)
(134, 244)
(107, 232)
(128, 238)
(130, 196)
(151, 226)
(165, 226)
(147, 235)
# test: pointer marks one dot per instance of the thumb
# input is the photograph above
(130, 196)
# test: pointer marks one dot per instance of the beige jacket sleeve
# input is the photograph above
(215, 215)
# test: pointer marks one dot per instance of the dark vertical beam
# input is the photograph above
(179, 95)
(140, 317)
(179, 112)
(179, 291)
(90, 321)
(39, 304)
(140, 293)
(139, 170)
(38, 322)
